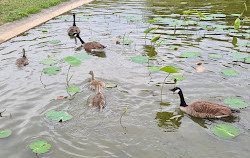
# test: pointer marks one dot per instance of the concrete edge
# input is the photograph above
(10, 30)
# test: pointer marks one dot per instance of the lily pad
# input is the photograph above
(242, 44)
(150, 21)
(153, 68)
(54, 41)
(247, 59)
(190, 54)
(58, 115)
(215, 55)
(229, 72)
(40, 147)
(237, 55)
(207, 19)
(218, 15)
(111, 85)
(235, 15)
(173, 47)
(140, 59)
(74, 61)
(73, 89)
(94, 39)
(235, 103)
(86, 17)
(51, 70)
(155, 38)
(82, 56)
(170, 69)
(225, 131)
(178, 78)
(127, 41)
(48, 62)
(5, 133)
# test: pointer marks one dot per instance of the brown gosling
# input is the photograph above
(23, 61)
(91, 46)
(204, 109)
(95, 82)
(73, 29)
(99, 100)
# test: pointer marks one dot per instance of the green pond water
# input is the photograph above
(153, 126)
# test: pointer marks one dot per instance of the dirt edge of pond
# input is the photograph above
(12, 29)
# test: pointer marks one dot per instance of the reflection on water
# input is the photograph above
(150, 49)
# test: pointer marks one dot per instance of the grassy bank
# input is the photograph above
(11, 10)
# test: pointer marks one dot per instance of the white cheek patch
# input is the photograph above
(177, 91)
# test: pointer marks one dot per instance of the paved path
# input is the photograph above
(9, 30)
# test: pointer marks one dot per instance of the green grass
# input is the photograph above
(11, 10)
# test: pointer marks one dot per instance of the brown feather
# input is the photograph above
(89, 46)
(99, 100)
(95, 83)
(23, 61)
(73, 29)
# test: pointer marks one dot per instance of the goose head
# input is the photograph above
(176, 89)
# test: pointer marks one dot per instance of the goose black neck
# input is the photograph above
(74, 17)
(80, 38)
(24, 53)
(183, 103)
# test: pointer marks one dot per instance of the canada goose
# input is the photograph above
(23, 61)
(73, 29)
(99, 100)
(90, 46)
(95, 82)
(204, 109)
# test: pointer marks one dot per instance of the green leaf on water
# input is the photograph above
(207, 19)
(51, 56)
(159, 43)
(190, 54)
(247, 59)
(173, 47)
(54, 41)
(140, 59)
(5, 133)
(51, 70)
(48, 62)
(73, 89)
(94, 39)
(58, 115)
(225, 131)
(111, 85)
(218, 15)
(242, 44)
(237, 55)
(155, 38)
(229, 72)
(178, 78)
(74, 61)
(40, 147)
(148, 30)
(86, 17)
(235, 15)
(215, 55)
(153, 68)
(237, 24)
(82, 56)
(127, 41)
(170, 69)
(150, 21)
(235, 103)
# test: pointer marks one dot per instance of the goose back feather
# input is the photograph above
(23, 61)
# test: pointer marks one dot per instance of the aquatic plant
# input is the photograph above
(127, 41)
(139, 59)
(225, 131)
(5, 133)
(40, 147)
(235, 103)
(121, 120)
(59, 116)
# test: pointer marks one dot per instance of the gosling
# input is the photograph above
(99, 100)
(73, 29)
(91, 46)
(23, 61)
(204, 109)
(95, 82)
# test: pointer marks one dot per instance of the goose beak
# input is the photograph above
(173, 90)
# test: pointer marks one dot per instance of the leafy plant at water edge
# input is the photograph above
(225, 131)
(5, 133)
(40, 147)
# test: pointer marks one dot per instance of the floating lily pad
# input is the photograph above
(235, 103)
(190, 54)
(87, 17)
(40, 147)
(74, 61)
(5, 133)
(237, 55)
(111, 85)
(215, 55)
(140, 59)
(229, 72)
(150, 21)
(232, 30)
(73, 89)
(225, 131)
(178, 78)
(170, 69)
(48, 62)
(170, 37)
(242, 44)
(184, 32)
(207, 19)
(94, 39)
(235, 15)
(173, 47)
(51, 56)
(218, 15)
(51, 70)
(247, 59)
(58, 115)
(82, 56)
(54, 41)
(127, 41)
(153, 68)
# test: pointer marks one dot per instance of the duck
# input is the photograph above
(204, 109)
(73, 29)
(95, 82)
(98, 100)
(23, 61)
(90, 46)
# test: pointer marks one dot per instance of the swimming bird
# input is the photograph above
(204, 109)
(99, 100)
(90, 46)
(23, 61)
(95, 82)
(73, 29)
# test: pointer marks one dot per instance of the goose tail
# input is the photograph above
(235, 110)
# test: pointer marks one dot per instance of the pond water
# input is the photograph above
(151, 126)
